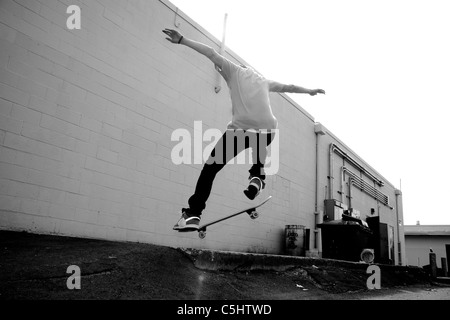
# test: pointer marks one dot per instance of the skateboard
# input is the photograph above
(251, 211)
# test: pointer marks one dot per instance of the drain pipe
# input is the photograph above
(398, 193)
(330, 171)
(350, 182)
(318, 130)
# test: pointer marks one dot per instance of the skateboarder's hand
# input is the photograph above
(316, 91)
(174, 35)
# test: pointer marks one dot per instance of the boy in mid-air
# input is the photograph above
(252, 119)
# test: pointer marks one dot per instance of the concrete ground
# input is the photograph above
(35, 267)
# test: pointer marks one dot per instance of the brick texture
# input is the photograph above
(86, 118)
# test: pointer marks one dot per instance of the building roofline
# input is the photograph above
(427, 230)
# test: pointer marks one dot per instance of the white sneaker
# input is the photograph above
(186, 223)
(254, 188)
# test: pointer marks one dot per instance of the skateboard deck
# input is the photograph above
(251, 211)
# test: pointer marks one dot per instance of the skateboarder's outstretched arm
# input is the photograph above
(210, 53)
(280, 87)
(217, 59)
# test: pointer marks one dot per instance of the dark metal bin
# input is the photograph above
(344, 240)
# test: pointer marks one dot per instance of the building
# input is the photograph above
(86, 136)
(419, 239)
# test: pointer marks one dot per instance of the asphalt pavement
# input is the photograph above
(50, 267)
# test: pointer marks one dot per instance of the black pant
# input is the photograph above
(228, 147)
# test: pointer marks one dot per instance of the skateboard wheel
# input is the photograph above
(254, 215)
(202, 234)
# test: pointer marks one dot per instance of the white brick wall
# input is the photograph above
(86, 118)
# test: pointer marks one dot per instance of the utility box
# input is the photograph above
(380, 240)
(334, 209)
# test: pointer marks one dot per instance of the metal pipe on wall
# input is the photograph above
(330, 171)
(350, 182)
(318, 130)
(317, 175)
(398, 193)
(316, 201)
(365, 187)
(334, 148)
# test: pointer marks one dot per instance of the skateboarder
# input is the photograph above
(252, 118)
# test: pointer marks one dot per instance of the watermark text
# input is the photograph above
(74, 20)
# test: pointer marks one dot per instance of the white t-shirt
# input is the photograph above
(249, 98)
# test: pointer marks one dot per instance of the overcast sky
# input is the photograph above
(385, 66)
